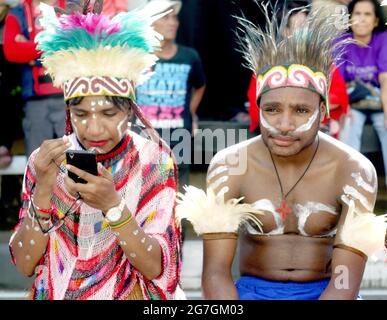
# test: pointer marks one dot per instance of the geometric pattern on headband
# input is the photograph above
(98, 86)
(293, 75)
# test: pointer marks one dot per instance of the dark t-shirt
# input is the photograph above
(165, 97)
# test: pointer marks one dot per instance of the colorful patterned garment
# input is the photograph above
(83, 259)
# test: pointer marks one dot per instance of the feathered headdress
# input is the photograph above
(87, 53)
(303, 59)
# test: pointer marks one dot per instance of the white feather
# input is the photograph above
(104, 61)
(209, 213)
(50, 19)
(364, 231)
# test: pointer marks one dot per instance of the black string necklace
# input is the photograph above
(284, 210)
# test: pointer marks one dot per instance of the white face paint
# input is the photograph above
(32, 242)
(28, 257)
(143, 240)
(36, 228)
(84, 122)
(132, 255)
(266, 125)
(149, 248)
(303, 128)
(135, 232)
(20, 244)
(93, 103)
(306, 126)
(362, 184)
(123, 243)
(121, 128)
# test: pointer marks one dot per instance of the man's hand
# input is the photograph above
(99, 192)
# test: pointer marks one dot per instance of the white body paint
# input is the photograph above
(304, 211)
(306, 126)
(362, 184)
(356, 195)
(267, 206)
(218, 182)
(216, 172)
(223, 191)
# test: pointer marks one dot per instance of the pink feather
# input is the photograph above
(92, 23)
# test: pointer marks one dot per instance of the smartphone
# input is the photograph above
(84, 160)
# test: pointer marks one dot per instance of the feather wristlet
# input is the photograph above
(209, 213)
(364, 231)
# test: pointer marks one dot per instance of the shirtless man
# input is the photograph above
(304, 182)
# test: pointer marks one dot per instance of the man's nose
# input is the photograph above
(286, 123)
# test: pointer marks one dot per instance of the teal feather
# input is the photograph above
(134, 32)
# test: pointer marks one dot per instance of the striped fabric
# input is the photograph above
(83, 259)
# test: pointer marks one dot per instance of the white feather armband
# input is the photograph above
(209, 213)
(364, 231)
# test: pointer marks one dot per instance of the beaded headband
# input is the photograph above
(293, 75)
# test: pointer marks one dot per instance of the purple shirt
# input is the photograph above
(365, 63)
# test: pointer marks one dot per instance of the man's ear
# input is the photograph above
(323, 110)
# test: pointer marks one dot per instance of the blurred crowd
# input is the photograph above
(32, 109)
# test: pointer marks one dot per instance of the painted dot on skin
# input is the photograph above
(149, 248)
(32, 242)
(36, 228)
(135, 232)
(117, 234)
(123, 243)
(75, 120)
(100, 102)
(28, 257)
(84, 121)
(94, 116)
(93, 103)
(107, 102)
(20, 244)
(93, 109)
(143, 240)
(27, 227)
(132, 255)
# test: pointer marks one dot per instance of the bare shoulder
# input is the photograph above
(355, 173)
(229, 165)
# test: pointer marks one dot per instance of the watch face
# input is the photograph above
(113, 215)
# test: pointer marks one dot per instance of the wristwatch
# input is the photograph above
(114, 214)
